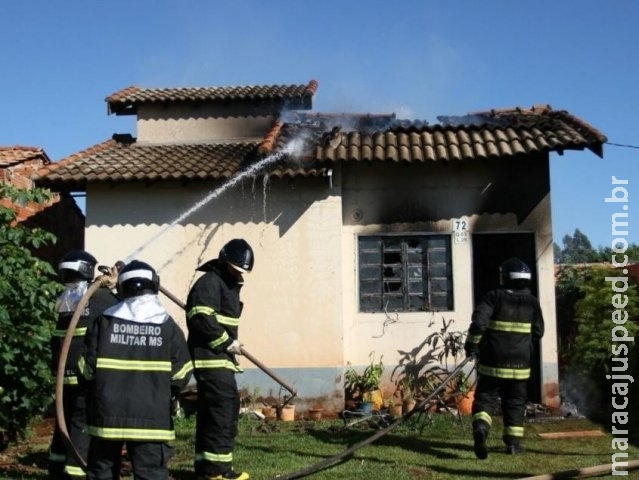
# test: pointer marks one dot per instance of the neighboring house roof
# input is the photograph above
(18, 154)
(314, 140)
(126, 101)
(17, 165)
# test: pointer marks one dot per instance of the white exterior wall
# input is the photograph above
(206, 123)
(292, 319)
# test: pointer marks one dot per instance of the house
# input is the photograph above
(61, 216)
(367, 229)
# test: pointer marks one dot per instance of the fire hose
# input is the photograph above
(329, 462)
(104, 280)
(101, 281)
(584, 472)
(107, 279)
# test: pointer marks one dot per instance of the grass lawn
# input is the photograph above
(439, 447)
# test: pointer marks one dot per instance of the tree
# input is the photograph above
(577, 249)
(27, 316)
(632, 251)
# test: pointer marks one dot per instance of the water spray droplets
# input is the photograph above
(290, 149)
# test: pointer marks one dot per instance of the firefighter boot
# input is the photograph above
(480, 434)
(513, 446)
(230, 475)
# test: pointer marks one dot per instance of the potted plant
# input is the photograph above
(422, 369)
(394, 408)
(315, 413)
(465, 395)
(365, 386)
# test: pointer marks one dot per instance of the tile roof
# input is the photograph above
(18, 154)
(311, 141)
(496, 133)
(121, 160)
(125, 102)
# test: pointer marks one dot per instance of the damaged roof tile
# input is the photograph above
(320, 138)
(505, 133)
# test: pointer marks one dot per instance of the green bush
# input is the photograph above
(585, 323)
(593, 315)
(27, 317)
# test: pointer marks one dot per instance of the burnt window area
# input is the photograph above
(405, 273)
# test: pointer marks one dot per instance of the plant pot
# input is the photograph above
(269, 412)
(286, 413)
(395, 411)
(408, 405)
(315, 413)
(465, 402)
(365, 407)
(375, 397)
(432, 406)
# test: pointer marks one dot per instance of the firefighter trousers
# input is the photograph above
(513, 394)
(218, 408)
(148, 459)
(61, 463)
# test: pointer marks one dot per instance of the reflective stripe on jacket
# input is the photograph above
(134, 369)
(213, 310)
(101, 299)
(504, 324)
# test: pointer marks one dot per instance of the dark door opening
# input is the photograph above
(489, 251)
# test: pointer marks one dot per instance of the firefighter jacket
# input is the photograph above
(503, 326)
(213, 309)
(135, 360)
(66, 305)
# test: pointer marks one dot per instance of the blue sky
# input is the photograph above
(418, 59)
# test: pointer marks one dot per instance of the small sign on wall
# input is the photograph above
(460, 229)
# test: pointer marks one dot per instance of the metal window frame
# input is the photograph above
(427, 291)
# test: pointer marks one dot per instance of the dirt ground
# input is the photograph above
(28, 458)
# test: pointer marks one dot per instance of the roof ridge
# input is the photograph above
(22, 148)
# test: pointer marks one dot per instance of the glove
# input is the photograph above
(111, 277)
(235, 347)
(471, 349)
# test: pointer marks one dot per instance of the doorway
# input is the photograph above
(489, 251)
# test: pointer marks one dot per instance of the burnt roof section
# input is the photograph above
(481, 135)
(17, 154)
(122, 160)
(308, 143)
(126, 101)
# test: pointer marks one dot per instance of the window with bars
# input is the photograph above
(405, 273)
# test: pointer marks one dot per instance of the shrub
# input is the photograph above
(584, 311)
(591, 349)
(27, 317)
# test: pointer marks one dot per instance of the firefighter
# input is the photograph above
(213, 310)
(76, 269)
(135, 360)
(503, 328)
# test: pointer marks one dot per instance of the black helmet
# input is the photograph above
(239, 254)
(137, 278)
(77, 265)
(513, 273)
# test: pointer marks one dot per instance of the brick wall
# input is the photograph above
(61, 216)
